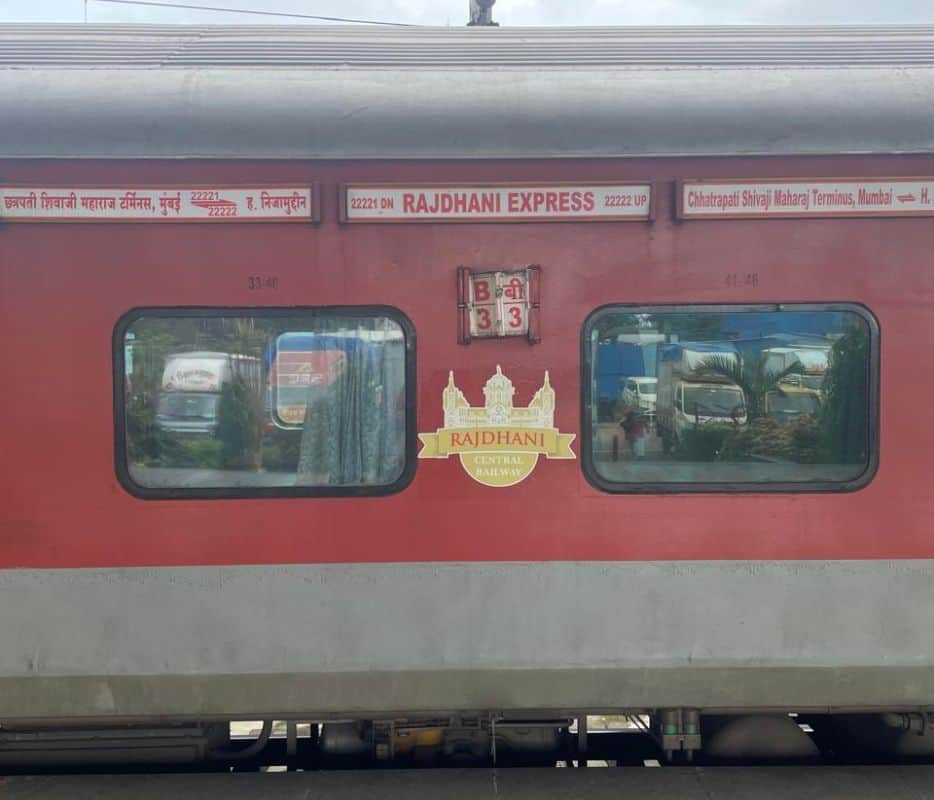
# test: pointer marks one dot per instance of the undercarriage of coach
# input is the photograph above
(657, 737)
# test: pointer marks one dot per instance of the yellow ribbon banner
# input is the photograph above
(496, 440)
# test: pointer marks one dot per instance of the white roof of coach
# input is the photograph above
(148, 91)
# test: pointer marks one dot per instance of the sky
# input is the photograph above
(506, 12)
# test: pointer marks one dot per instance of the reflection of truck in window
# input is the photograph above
(812, 362)
(689, 395)
(788, 402)
(297, 365)
(798, 393)
(302, 366)
(192, 383)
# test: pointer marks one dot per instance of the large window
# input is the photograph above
(715, 398)
(246, 402)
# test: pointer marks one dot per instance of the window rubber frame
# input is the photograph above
(732, 487)
(121, 464)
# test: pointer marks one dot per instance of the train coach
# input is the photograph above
(436, 527)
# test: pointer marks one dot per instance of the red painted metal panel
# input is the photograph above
(64, 287)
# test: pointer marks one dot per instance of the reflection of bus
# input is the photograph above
(191, 389)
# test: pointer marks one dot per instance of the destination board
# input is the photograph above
(496, 202)
(836, 197)
(158, 204)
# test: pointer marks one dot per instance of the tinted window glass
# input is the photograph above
(742, 396)
(260, 401)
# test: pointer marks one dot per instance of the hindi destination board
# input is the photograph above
(157, 204)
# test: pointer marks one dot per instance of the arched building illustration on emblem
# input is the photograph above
(498, 444)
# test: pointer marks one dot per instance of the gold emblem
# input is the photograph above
(497, 443)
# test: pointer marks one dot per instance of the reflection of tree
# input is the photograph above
(688, 327)
(239, 421)
(751, 375)
(150, 348)
(701, 327)
(837, 434)
(247, 336)
(844, 413)
(142, 436)
(146, 443)
(617, 324)
(795, 440)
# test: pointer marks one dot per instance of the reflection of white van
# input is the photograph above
(639, 393)
(192, 385)
(702, 403)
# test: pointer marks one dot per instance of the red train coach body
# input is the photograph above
(555, 514)
(446, 593)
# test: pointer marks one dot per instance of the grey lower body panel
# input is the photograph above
(365, 695)
(383, 638)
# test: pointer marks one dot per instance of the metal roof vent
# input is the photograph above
(481, 12)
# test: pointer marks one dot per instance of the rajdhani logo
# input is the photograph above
(498, 444)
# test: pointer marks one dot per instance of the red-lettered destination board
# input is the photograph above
(158, 204)
(496, 202)
(837, 197)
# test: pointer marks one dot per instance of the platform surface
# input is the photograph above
(722, 783)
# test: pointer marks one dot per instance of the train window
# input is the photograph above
(264, 402)
(730, 398)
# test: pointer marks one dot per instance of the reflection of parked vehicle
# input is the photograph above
(791, 401)
(639, 393)
(688, 396)
(298, 365)
(811, 360)
(812, 382)
(191, 389)
(302, 365)
(626, 356)
(708, 402)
